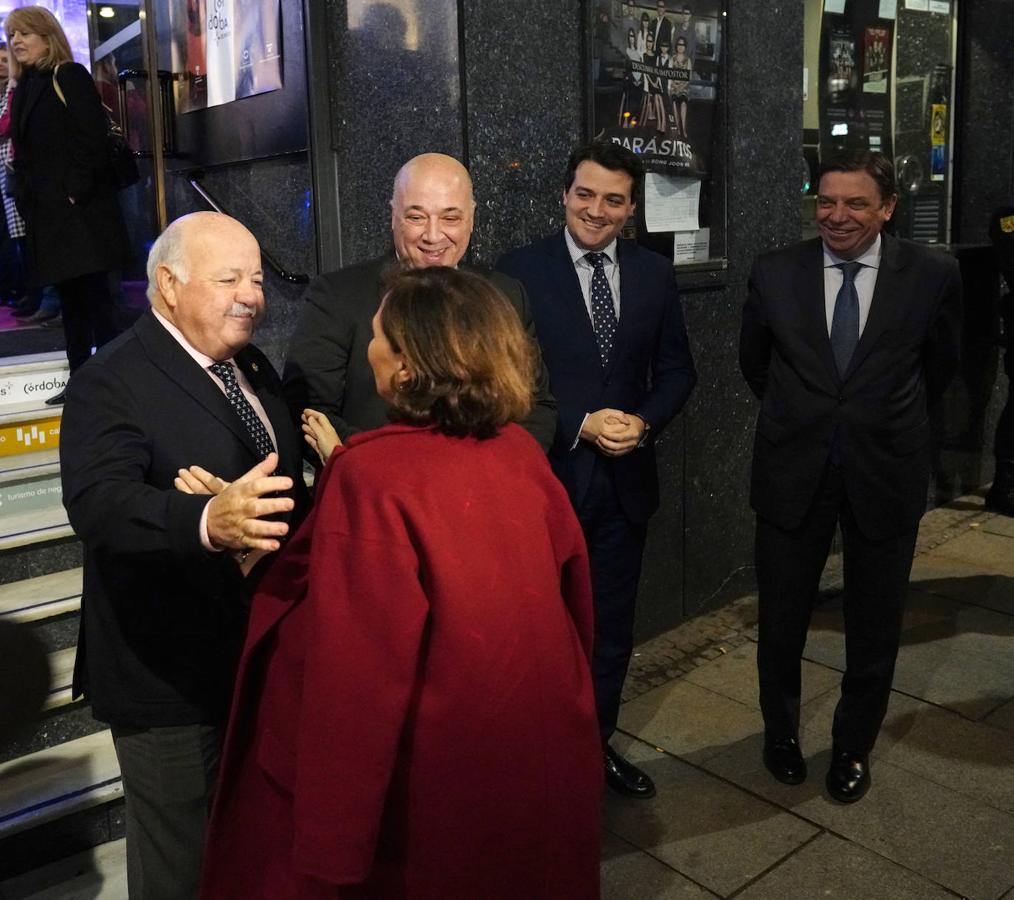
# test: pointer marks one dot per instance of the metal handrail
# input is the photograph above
(284, 274)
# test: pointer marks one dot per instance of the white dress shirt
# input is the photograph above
(865, 281)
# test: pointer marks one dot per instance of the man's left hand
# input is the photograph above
(620, 443)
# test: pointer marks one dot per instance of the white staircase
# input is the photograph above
(31, 509)
(61, 793)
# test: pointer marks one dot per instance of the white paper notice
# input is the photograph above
(940, 6)
(670, 203)
(922, 5)
(692, 246)
(888, 9)
(806, 84)
(834, 6)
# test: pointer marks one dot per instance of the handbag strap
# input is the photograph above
(56, 86)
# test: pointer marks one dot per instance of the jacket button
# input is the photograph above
(841, 401)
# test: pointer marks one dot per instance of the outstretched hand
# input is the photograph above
(236, 516)
(319, 433)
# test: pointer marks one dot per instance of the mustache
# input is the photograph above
(238, 309)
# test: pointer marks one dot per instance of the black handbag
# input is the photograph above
(120, 159)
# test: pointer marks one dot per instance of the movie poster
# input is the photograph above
(224, 50)
(855, 80)
(655, 71)
(876, 60)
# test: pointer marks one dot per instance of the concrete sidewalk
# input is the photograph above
(939, 819)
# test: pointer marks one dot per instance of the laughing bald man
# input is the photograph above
(432, 213)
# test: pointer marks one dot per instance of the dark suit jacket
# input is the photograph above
(327, 369)
(877, 413)
(162, 619)
(652, 372)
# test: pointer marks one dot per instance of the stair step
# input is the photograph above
(35, 528)
(58, 781)
(61, 674)
(24, 466)
(41, 597)
(99, 873)
(26, 381)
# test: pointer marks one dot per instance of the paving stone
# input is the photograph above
(628, 872)
(832, 868)
(971, 758)
(952, 654)
(952, 839)
(1003, 525)
(711, 832)
(734, 675)
(689, 721)
(980, 548)
(959, 580)
(1002, 717)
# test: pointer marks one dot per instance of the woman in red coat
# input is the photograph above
(414, 715)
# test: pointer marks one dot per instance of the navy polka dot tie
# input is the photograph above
(603, 313)
(234, 394)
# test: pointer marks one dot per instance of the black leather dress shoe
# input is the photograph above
(848, 779)
(56, 399)
(625, 777)
(784, 760)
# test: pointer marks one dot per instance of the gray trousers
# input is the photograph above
(168, 782)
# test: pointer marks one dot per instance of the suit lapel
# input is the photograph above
(166, 353)
(886, 297)
(810, 297)
(274, 406)
(572, 302)
(631, 290)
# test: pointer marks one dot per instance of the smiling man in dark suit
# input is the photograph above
(612, 334)
(432, 213)
(163, 611)
(846, 340)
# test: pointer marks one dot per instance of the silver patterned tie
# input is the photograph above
(234, 394)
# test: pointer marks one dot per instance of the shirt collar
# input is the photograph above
(870, 259)
(202, 359)
(577, 254)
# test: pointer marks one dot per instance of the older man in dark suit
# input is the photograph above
(611, 329)
(846, 340)
(164, 602)
(432, 212)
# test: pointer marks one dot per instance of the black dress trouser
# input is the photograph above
(789, 566)
(89, 315)
(615, 548)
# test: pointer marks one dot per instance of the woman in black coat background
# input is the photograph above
(64, 188)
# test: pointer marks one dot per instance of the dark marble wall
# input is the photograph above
(985, 137)
(525, 109)
(390, 100)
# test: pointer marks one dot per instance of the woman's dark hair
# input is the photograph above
(471, 365)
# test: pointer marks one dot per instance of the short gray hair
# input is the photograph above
(168, 251)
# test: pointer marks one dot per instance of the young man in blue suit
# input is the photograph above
(610, 326)
(847, 340)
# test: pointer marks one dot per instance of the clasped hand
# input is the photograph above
(612, 431)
